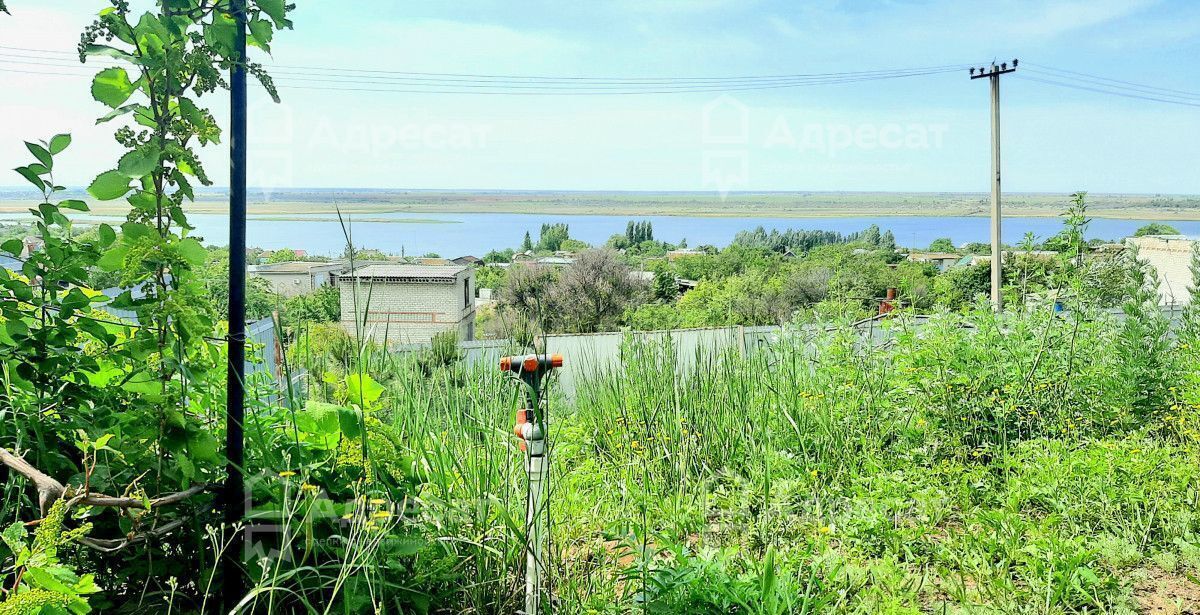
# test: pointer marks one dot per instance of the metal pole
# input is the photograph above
(234, 499)
(535, 467)
(531, 429)
(997, 250)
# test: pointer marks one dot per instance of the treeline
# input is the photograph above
(799, 241)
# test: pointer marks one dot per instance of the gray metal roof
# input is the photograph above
(413, 272)
(296, 267)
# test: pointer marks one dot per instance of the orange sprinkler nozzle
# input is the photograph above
(519, 427)
(531, 364)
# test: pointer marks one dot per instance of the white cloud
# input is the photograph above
(1059, 18)
(783, 26)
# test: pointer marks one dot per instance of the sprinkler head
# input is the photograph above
(534, 364)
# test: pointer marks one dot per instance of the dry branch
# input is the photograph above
(49, 490)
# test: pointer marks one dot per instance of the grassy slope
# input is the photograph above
(959, 472)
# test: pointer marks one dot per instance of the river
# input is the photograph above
(451, 235)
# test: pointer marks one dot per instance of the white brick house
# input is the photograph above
(409, 304)
(296, 277)
(1171, 257)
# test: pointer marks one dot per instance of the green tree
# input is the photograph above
(594, 292)
(1156, 228)
(941, 244)
(282, 255)
(552, 237)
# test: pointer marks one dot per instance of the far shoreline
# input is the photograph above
(368, 206)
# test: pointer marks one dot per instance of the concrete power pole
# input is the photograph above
(993, 74)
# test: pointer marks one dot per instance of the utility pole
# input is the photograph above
(233, 587)
(993, 74)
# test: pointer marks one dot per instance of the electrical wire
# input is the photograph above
(1185, 93)
(1125, 94)
(371, 80)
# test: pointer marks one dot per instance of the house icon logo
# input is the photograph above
(726, 121)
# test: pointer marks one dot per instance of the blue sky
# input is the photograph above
(1055, 139)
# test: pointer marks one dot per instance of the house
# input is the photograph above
(555, 261)
(433, 260)
(296, 277)
(682, 252)
(523, 257)
(986, 259)
(1171, 257)
(941, 260)
(467, 260)
(409, 304)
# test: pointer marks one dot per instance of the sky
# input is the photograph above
(928, 133)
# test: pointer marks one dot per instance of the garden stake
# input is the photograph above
(531, 429)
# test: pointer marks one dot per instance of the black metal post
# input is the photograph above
(233, 586)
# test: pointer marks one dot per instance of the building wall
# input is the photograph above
(1171, 257)
(411, 313)
(287, 284)
(291, 284)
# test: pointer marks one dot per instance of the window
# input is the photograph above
(466, 293)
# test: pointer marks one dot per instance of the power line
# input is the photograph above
(1185, 93)
(338, 79)
(486, 88)
(1108, 85)
(462, 84)
(525, 79)
(1112, 92)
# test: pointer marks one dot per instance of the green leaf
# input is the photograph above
(145, 116)
(111, 52)
(14, 537)
(114, 258)
(32, 177)
(261, 32)
(41, 154)
(277, 11)
(112, 87)
(16, 327)
(134, 231)
(143, 201)
(191, 251)
(58, 143)
(75, 204)
(362, 389)
(350, 422)
(109, 185)
(220, 34)
(190, 112)
(139, 162)
(107, 235)
(119, 111)
(203, 446)
(13, 246)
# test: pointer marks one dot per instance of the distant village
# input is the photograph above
(411, 300)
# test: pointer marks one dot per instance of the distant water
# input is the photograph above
(452, 235)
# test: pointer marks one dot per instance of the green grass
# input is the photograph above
(977, 465)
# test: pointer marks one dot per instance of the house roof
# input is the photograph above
(295, 267)
(408, 272)
(933, 256)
